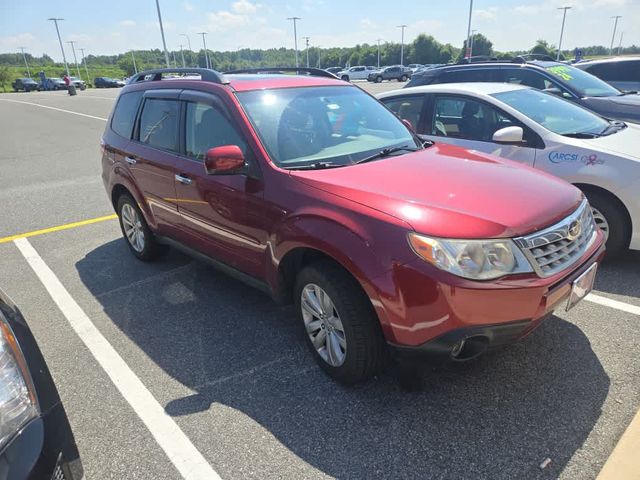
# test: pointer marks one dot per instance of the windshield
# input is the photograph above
(585, 84)
(553, 113)
(341, 125)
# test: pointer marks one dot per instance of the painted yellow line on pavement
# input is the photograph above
(66, 226)
(624, 462)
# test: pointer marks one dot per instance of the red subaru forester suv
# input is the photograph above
(308, 187)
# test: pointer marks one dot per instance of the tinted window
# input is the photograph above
(407, 108)
(584, 83)
(159, 123)
(526, 76)
(206, 127)
(125, 113)
(623, 71)
(460, 117)
(469, 75)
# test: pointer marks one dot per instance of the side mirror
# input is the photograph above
(224, 159)
(508, 135)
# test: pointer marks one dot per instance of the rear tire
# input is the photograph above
(343, 316)
(345, 78)
(612, 220)
(403, 78)
(378, 79)
(135, 230)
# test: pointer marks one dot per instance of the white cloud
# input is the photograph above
(127, 23)
(244, 7)
(486, 14)
(188, 7)
(223, 21)
(367, 23)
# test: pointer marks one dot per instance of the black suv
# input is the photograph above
(26, 84)
(553, 77)
(621, 72)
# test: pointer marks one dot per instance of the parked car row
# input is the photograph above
(107, 82)
(55, 83)
(310, 189)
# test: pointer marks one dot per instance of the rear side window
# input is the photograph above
(125, 113)
(159, 123)
(623, 71)
(526, 76)
(469, 75)
(407, 108)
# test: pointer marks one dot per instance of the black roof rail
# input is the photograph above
(530, 57)
(206, 74)
(316, 72)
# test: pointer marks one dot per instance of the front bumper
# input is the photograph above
(426, 311)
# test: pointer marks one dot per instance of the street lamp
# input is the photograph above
(295, 36)
(164, 43)
(64, 58)
(564, 16)
(75, 59)
(135, 69)
(468, 52)
(615, 25)
(84, 60)
(620, 44)
(402, 44)
(27, 65)
(473, 34)
(307, 40)
(206, 54)
(379, 40)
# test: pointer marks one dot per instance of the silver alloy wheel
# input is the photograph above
(132, 227)
(323, 325)
(601, 222)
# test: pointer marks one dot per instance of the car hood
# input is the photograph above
(446, 191)
(625, 142)
(623, 107)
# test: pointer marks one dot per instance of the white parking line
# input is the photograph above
(54, 108)
(609, 302)
(181, 452)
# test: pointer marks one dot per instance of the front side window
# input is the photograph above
(207, 127)
(159, 123)
(553, 113)
(585, 84)
(303, 126)
(407, 108)
(468, 119)
(125, 113)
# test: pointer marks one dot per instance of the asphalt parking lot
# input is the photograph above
(230, 369)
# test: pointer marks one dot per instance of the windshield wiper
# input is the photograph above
(613, 127)
(385, 152)
(581, 135)
(628, 92)
(317, 166)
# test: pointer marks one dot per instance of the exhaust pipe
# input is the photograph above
(469, 348)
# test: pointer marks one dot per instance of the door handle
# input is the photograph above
(182, 179)
(131, 160)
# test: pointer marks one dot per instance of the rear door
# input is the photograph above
(222, 214)
(470, 123)
(151, 157)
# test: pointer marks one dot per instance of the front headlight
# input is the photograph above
(18, 401)
(474, 259)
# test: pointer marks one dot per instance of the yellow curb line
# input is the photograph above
(66, 226)
(624, 461)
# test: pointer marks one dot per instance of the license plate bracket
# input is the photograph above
(581, 286)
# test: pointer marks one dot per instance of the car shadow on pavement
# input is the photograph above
(620, 275)
(497, 417)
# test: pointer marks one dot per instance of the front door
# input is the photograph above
(218, 211)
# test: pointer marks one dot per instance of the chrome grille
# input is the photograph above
(561, 245)
(58, 474)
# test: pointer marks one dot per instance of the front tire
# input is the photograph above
(342, 329)
(378, 79)
(612, 220)
(403, 78)
(345, 78)
(135, 230)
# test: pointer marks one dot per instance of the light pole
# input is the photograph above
(164, 43)
(378, 40)
(615, 25)
(75, 59)
(64, 58)
(564, 16)
(307, 40)
(182, 55)
(188, 40)
(402, 44)
(473, 34)
(84, 60)
(135, 69)
(29, 73)
(319, 55)
(206, 54)
(468, 52)
(620, 44)
(295, 36)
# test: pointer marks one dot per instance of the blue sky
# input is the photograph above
(112, 26)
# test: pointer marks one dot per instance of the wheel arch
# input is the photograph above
(588, 187)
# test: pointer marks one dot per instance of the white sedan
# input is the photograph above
(600, 156)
